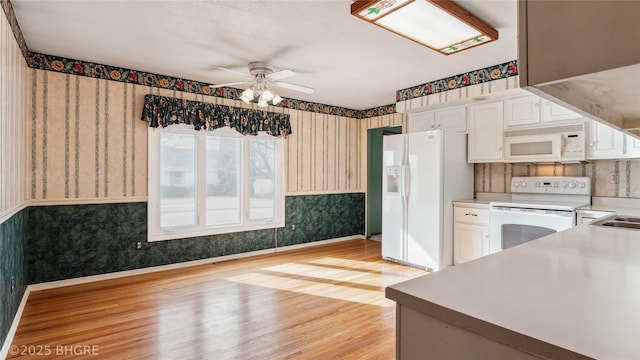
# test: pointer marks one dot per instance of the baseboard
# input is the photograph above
(319, 242)
(148, 270)
(14, 325)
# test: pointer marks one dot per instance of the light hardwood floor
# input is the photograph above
(324, 302)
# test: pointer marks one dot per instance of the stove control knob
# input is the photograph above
(582, 185)
(523, 184)
(572, 185)
(516, 184)
(565, 184)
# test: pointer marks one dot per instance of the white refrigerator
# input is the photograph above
(423, 172)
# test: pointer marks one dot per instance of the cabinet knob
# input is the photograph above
(592, 143)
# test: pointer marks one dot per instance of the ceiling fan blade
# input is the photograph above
(231, 71)
(282, 74)
(300, 88)
(229, 84)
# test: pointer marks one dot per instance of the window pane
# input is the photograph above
(223, 160)
(177, 180)
(262, 179)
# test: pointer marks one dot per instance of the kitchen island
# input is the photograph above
(570, 295)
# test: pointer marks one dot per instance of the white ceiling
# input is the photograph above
(349, 62)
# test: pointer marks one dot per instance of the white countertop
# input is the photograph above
(578, 289)
(621, 206)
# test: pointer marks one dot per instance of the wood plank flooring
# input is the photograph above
(324, 302)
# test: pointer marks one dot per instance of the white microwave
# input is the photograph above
(563, 143)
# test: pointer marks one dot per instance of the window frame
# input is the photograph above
(156, 233)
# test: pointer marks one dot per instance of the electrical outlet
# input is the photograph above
(13, 284)
(293, 226)
(139, 245)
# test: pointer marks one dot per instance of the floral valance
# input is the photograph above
(165, 111)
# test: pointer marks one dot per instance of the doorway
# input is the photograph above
(374, 178)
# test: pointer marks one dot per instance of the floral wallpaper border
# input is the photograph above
(15, 27)
(474, 77)
(114, 73)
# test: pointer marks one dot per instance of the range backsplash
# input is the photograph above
(611, 178)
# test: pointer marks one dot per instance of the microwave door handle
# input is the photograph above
(559, 147)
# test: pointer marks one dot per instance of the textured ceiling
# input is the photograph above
(349, 62)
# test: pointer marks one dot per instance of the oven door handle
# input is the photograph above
(505, 209)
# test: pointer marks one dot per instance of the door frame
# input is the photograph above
(373, 195)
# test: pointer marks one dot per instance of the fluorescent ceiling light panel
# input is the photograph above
(440, 25)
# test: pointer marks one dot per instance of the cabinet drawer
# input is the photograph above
(471, 215)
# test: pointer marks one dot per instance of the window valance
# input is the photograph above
(164, 111)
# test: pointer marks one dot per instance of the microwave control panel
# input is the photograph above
(573, 146)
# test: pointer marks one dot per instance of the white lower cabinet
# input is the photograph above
(470, 232)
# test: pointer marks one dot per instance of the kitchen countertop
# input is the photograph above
(485, 198)
(577, 289)
(625, 206)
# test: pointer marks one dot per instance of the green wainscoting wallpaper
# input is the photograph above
(322, 217)
(69, 241)
(13, 268)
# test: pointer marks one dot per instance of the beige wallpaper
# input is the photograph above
(13, 79)
(613, 178)
(87, 142)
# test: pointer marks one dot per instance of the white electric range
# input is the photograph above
(539, 206)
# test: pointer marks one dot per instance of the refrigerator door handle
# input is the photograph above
(406, 181)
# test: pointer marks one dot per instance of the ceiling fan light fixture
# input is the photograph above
(276, 99)
(247, 95)
(267, 95)
(262, 103)
(441, 25)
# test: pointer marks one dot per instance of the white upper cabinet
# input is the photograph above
(451, 119)
(522, 110)
(632, 146)
(550, 112)
(532, 110)
(485, 123)
(454, 119)
(604, 142)
(421, 121)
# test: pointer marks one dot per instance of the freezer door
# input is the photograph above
(424, 194)
(393, 201)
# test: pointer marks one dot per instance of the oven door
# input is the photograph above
(514, 226)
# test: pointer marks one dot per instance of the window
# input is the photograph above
(213, 182)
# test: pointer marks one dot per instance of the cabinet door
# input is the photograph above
(452, 119)
(421, 121)
(523, 110)
(485, 132)
(605, 142)
(632, 146)
(469, 242)
(550, 112)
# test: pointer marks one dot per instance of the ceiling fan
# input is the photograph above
(261, 79)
